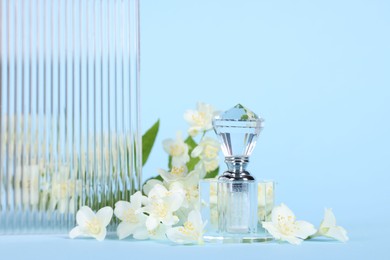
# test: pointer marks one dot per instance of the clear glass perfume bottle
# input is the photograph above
(237, 129)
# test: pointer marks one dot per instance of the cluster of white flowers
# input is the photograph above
(155, 215)
(206, 151)
(169, 207)
(144, 217)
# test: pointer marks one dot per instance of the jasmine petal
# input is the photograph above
(191, 232)
(284, 226)
(328, 228)
(131, 215)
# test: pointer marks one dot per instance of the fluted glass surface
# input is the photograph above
(69, 109)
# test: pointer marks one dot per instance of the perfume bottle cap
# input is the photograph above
(237, 129)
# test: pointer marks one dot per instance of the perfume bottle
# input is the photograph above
(237, 129)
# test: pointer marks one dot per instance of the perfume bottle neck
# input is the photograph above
(237, 165)
(237, 169)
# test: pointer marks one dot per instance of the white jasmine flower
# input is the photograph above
(284, 226)
(133, 220)
(191, 232)
(161, 205)
(90, 224)
(210, 166)
(329, 229)
(208, 148)
(201, 119)
(178, 149)
(148, 186)
(188, 186)
(177, 172)
(157, 234)
(207, 151)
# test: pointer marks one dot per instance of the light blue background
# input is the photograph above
(319, 74)
(317, 71)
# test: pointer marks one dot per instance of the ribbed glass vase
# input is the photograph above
(70, 118)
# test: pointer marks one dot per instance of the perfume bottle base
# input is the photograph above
(227, 239)
(236, 217)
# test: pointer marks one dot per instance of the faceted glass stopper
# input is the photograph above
(237, 129)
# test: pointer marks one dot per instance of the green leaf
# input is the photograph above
(212, 174)
(169, 162)
(191, 146)
(192, 163)
(158, 177)
(148, 140)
